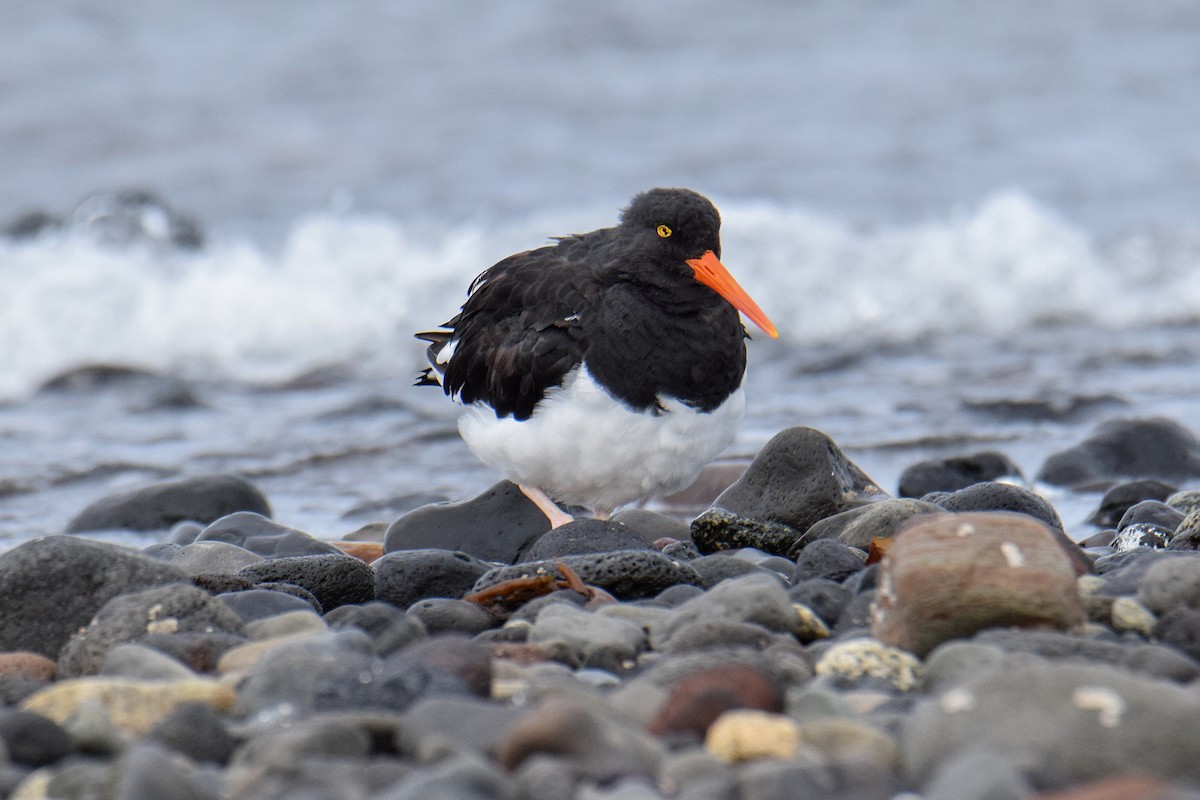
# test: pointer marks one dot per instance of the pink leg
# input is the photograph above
(556, 515)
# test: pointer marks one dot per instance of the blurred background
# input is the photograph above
(941, 204)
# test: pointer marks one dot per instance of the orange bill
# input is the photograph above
(712, 273)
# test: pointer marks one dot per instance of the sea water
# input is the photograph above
(975, 227)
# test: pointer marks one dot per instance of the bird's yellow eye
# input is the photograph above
(664, 231)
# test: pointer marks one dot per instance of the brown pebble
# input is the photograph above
(27, 665)
(701, 696)
(366, 552)
(949, 576)
(1126, 787)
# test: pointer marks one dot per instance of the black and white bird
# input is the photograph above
(607, 367)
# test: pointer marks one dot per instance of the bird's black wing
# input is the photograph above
(519, 332)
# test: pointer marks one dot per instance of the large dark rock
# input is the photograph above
(954, 473)
(799, 477)
(584, 536)
(333, 579)
(176, 608)
(1123, 496)
(406, 576)
(1127, 448)
(494, 525)
(256, 533)
(204, 498)
(52, 586)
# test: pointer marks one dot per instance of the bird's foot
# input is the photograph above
(556, 515)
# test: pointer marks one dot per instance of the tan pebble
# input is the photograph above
(244, 657)
(847, 741)
(27, 665)
(36, 786)
(1130, 615)
(133, 705)
(745, 735)
(858, 658)
(811, 627)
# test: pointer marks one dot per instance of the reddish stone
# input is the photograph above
(27, 665)
(950, 576)
(700, 697)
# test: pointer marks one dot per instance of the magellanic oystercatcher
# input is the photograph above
(607, 367)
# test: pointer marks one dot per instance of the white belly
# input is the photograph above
(583, 447)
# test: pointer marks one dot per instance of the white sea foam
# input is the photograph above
(353, 289)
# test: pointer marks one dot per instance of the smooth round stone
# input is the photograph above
(1150, 659)
(403, 577)
(1187, 534)
(859, 527)
(979, 774)
(445, 615)
(1141, 535)
(254, 604)
(1151, 512)
(469, 778)
(697, 699)
(40, 580)
(177, 608)
(677, 595)
(581, 637)
(143, 663)
(1186, 502)
(585, 536)
(260, 535)
(470, 722)
(31, 739)
(651, 525)
(1179, 628)
(494, 525)
(826, 558)
(992, 496)
(955, 472)
(197, 731)
(203, 499)
(147, 769)
(1126, 448)
(334, 579)
(212, 558)
(825, 597)
(1120, 498)
(718, 567)
(388, 627)
(27, 665)
(1060, 722)
(288, 623)
(757, 599)
(1170, 583)
(950, 576)
(800, 476)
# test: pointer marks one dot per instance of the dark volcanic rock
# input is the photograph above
(1126, 448)
(31, 739)
(584, 536)
(495, 525)
(52, 586)
(626, 574)
(1123, 496)
(800, 476)
(716, 530)
(954, 473)
(389, 628)
(204, 498)
(175, 608)
(333, 579)
(405, 576)
(197, 731)
(444, 615)
(261, 536)
(1151, 512)
(992, 496)
(826, 558)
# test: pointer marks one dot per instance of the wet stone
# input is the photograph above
(403, 577)
(266, 538)
(1001, 497)
(1120, 498)
(955, 472)
(334, 579)
(1127, 448)
(800, 476)
(715, 568)
(202, 499)
(32, 740)
(1141, 535)
(584, 536)
(825, 597)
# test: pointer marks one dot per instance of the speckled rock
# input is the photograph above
(177, 608)
(945, 577)
(855, 659)
(203, 499)
(584, 536)
(334, 579)
(859, 526)
(800, 476)
(1061, 723)
(40, 580)
(626, 574)
(991, 496)
(1120, 498)
(494, 525)
(717, 529)
(1187, 534)
(404, 576)
(259, 535)
(1127, 448)
(133, 706)
(744, 735)
(955, 472)
(1185, 501)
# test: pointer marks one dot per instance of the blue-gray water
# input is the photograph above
(940, 204)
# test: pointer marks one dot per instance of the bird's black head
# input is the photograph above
(677, 223)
